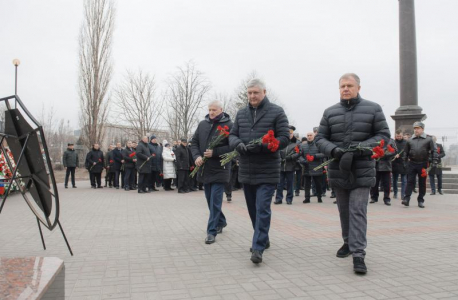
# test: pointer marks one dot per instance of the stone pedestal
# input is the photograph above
(31, 277)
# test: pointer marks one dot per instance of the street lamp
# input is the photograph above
(16, 63)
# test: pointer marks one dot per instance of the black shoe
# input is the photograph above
(210, 239)
(306, 201)
(373, 201)
(66, 187)
(278, 202)
(433, 193)
(117, 187)
(171, 189)
(127, 189)
(415, 191)
(323, 195)
(110, 186)
(333, 195)
(267, 247)
(388, 202)
(155, 189)
(74, 186)
(93, 187)
(421, 205)
(335, 202)
(133, 188)
(256, 257)
(289, 202)
(229, 198)
(320, 201)
(359, 266)
(201, 189)
(147, 191)
(344, 251)
(219, 229)
(440, 192)
(296, 193)
(193, 190)
(100, 187)
(182, 192)
(141, 192)
(395, 196)
(405, 202)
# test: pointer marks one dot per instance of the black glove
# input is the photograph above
(337, 153)
(241, 149)
(254, 148)
(434, 165)
(346, 161)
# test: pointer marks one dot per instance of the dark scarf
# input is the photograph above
(217, 118)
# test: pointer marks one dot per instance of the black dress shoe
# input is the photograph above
(93, 187)
(127, 189)
(296, 193)
(66, 187)
(373, 201)
(433, 193)
(359, 266)
(333, 195)
(267, 247)
(405, 202)
(440, 192)
(278, 202)
(335, 202)
(320, 201)
(210, 239)
(388, 203)
(155, 189)
(415, 191)
(306, 201)
(229, 198)
(193, 190)
(421, 205)
(74, 187)
(141, 192)
(182, 192)
(344, 251)
(256, 257)
(100, 187)
(289, 202)
(133, 188)
(117, 187)
(219, 229)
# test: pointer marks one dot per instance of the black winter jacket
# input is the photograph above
(253, 123)
(70, 159)
(310, 148)
(440, 154)
(143, 154)
(109, 162)
(183, 158)
(117, 157)
(421, 149)
(399, 165)
(128, 161)
(349, 123)
(206, 132)
(156, 159)
(289, 156)
(95, 156)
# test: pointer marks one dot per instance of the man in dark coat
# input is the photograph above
(259, 169)
(437, 170)
(130, 158)
(192, 180)
(96, 162)
(351, 122)
(383, 174)
(71, 162)
(211, 173)
(118, 166)
(143, 165)
(156, 163)
(398, 165)
(183, 166)
(310, 158)
(289, 156)
(134, 146)
(109, 163)
(420, 149)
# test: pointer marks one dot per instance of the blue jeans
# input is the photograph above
(433, 184)
(288, 177)
(214, 194)
(403, 183)
(297, 180)
(258, 200)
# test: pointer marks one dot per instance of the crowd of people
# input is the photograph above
(267, 159)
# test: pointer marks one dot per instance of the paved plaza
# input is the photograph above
(151, 246)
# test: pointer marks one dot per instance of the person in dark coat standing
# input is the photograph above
(311, 158)
(156, 163)
(289, 156)
(398, 165)
(130, 158)
(192, 180)
(437, 171)
(211, 173)
(383, 174)
(143, 165)
(183, 166)
(118, 165)
(420, 150)
(351, 122)
(259, 169)
(71, 162)
(96, 162)
(109, 163)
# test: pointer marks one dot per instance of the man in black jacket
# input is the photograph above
(156, 163)
(289, 156)
(211, 173)
(96, 162)
(399, 166)
(420, 149)
(109, 163)
(351, 122)
(437, 170)
(383, 174)
(118, 166)
(130, 158)
(259, 166)
(310, 158)
(143, 165)
(183, 166)
(71, 162)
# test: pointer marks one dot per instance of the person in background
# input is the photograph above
(109, 163)
(437, 171)
(156, 163)
(95, 164)
(383, 174)
(118, 166)
(143, 164)
(310, 158)
(183, 166)
(399, 167)
(71, 162)
(168, 165)
(129, 157)
(289, 156)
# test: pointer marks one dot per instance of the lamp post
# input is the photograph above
(16, 63)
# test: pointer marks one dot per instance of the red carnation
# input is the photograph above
(226, 127)
(296, 149)
(111, 161)
(100, 160)
(423, 172)
(219, 128)
(310, 157)
(390, 149)
(438, 150)
(382, 143)
(161, 175)
(132, 154)
(153, 155)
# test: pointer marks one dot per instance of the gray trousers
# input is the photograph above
(352, 206)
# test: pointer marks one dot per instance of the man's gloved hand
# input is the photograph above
(254, 148)
(346, 161)
(434, 165)
(337, 153)
(241, 149)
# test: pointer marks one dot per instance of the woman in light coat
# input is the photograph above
(168, 167)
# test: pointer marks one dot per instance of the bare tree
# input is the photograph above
(185, 95)
(95, 67)
(137, 104)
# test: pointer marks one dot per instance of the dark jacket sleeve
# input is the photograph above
(64, 159)
(407, 151)
(125, 156)
(234, 139)
(442, 154)
(195, 146)
(77, 160)
(142, 153)
(282, 129)
(434, 154)
(322, 139)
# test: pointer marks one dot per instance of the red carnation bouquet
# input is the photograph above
(111, 161)
(223, 132)
(310, 158)
(424, 173)
(98, 161)
(133, 155)
(438, 150)
(269, 138)
(296, 149)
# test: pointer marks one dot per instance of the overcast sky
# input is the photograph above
(299, 47)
